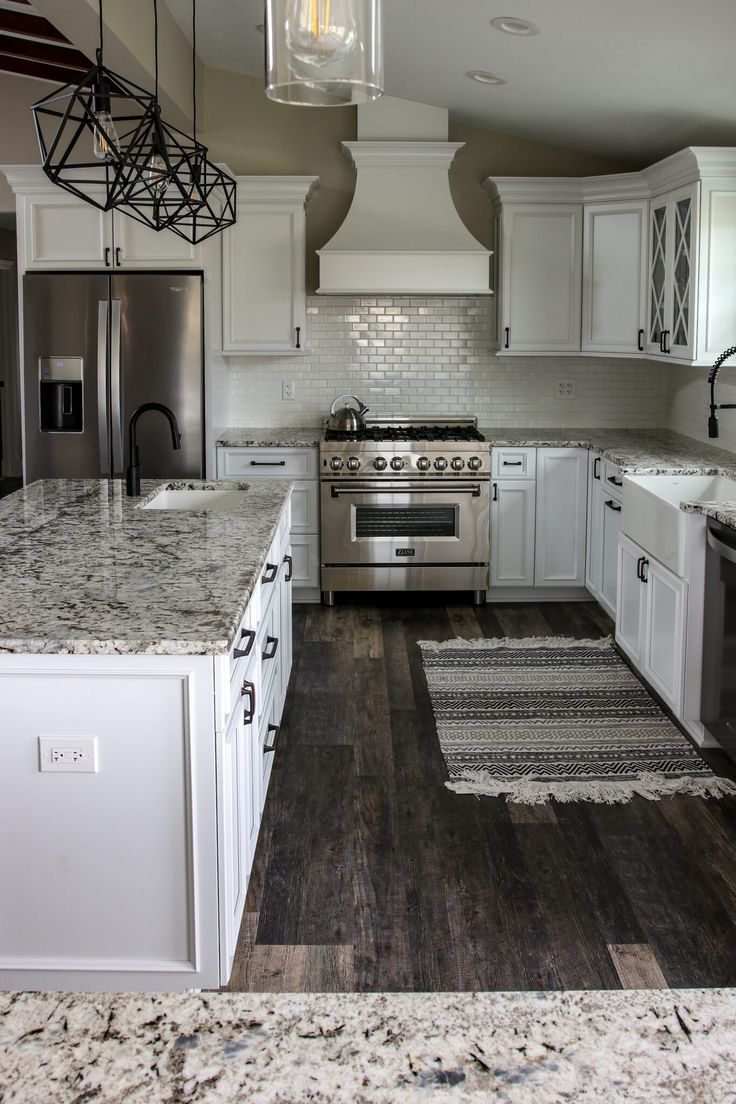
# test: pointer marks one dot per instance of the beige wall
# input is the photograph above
(7, 245)
(18, 145)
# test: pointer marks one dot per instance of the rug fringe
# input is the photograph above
(492, 643)
(651, 786)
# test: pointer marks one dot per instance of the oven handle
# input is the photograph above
(450, 488)
(721, 548)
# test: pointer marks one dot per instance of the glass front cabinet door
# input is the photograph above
(672, 250)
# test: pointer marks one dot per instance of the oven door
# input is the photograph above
(394, 524)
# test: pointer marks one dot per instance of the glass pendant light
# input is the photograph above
(324, 53)
(84, 131)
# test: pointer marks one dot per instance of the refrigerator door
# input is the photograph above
(65, 376)
(156, 356)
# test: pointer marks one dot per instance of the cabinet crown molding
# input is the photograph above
(411, 155)
(276, 189)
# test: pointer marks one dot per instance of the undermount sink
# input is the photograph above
(652, 516)
(215, 496)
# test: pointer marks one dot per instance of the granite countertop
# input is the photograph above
(269, 437)
(640, 1046)
(83, 570)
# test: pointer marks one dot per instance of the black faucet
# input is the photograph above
(714, 406)
(133, 472)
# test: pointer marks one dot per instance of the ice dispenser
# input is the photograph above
(61, 383)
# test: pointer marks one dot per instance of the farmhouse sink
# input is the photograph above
(652, 516)
(212, 497)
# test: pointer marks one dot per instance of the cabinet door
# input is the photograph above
(680, 338)
(665, 633)
(658, 283)
(138, 246)
(562, 492)
(305, 557)
(541, 277)
(614, 277)
(631, 604)
(286, 584)
(60, 231)
(594, 543)
(512, 532)
(234, 852)
(611, 513)
(305, 507)
(263, 297)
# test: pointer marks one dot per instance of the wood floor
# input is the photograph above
(370, 875)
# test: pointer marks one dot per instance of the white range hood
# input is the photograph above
(402, 234)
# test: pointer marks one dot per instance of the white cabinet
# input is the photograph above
(605, 512)
(614, 277)
(673, 228)
(540, 277)
(237, 818)
(512, 532)
(612, 512)
(650, 622)
(138, 246)
(562, 489)
(263, 268)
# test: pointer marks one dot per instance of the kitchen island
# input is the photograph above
(144, 659)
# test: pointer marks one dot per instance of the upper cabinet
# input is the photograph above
(263, 268)
(650, 273)
(56, 230)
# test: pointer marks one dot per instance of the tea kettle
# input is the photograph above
(347, 419)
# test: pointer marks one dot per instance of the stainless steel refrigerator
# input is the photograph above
(95, 348)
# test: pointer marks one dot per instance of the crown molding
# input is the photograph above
(408, 155)
(276, 189)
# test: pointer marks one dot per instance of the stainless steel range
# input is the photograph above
(405, 505)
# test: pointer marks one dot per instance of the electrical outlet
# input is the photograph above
(68, 753)
(565, 389)
(287, 390)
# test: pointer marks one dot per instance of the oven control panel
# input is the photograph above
(343, 460)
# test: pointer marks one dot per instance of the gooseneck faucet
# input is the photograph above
(133, 472)
(714, 406)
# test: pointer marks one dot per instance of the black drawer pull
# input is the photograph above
(271, 747)
(270, 573)
(613, 506)
(616, 482)
(268, 463)
(265, 654)
(506, 331)
(248, 690)
(495, 492)
(298, 337)
(597, 468)
(290, 565)
(513, 463)
(239, 653)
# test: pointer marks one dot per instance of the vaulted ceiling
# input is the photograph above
(31, 46)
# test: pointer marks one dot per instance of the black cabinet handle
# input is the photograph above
(298, 337)
(248, 690)
(270, 573)
(512, 463)
(107, 256)
(290, 565)
(639, 566)
(271, 747)
(118, 262)
(495, 492)
(640, 341)
(266, 654)
(268, 463)
(597, 468)
(506, 331)
(665, 342)
(239, 653)
(613, 505)
(616, 482)
(661, 341)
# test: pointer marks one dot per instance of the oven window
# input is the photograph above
(405, 521)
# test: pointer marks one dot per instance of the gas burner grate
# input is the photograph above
(378, 433)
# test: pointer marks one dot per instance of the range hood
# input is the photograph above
(402, 234)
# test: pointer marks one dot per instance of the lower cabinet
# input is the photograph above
(512, 532)
(605, 512)
(650, 621)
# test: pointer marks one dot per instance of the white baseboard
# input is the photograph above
(538, 594)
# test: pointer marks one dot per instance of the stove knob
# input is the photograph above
(423, 463)
(335, 463)
(397, 463)
(475, 463)
(353, 463)
(380, 463)
(457, 463)
(440, 463)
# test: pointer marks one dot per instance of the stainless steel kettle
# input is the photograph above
(347, 419)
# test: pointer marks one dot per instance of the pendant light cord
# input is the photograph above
(99, 49)
(155, 44)
(194, 68)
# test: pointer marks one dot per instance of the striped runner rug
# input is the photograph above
(554, 717)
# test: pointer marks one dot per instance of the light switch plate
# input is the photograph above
(68, 754)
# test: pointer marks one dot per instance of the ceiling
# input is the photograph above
(632, 79)
(30, 46)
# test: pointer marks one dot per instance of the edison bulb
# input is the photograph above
(319, 32)
(105, 137)
(156, 174)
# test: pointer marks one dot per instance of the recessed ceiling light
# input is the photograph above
(484, 78)
(509, 24)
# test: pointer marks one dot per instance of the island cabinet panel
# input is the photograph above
(111, 872)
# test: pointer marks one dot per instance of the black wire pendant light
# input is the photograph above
(209, 206)
(88, 127)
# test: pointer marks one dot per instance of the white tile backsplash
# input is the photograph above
(690, 399)
(431, 355)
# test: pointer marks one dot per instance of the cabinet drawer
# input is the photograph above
(305, 557)
(234, 463)
(305, 507)
(612, 479)
(514, 463)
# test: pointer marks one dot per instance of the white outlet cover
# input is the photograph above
(68, 754)
(565, 389)
(287, 390)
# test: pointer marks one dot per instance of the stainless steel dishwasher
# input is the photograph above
(718, 703)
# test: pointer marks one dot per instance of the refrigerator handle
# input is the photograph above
(102, 422)
(115, 389)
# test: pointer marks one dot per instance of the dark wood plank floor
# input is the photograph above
(370, 875)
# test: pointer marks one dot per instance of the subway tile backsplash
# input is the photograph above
(431, 355)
